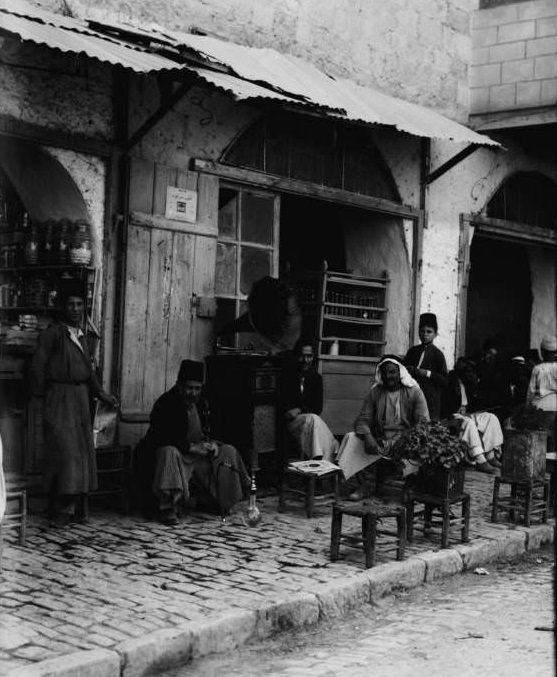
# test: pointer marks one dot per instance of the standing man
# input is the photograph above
(62, 375)
(427, 364)
(302, 404)
(177, 451)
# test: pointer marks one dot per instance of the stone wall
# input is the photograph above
(514, 57)
(419, 51)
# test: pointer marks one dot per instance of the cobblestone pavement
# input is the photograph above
(466, 625)
(115, 578)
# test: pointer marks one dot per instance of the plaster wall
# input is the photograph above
(376, 244)
(419, 51)
(58, 91)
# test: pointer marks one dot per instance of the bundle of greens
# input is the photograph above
(430, 445)
(528, 417)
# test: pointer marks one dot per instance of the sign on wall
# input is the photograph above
(181, 204)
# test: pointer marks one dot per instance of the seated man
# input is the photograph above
(302, 402)
(480, 430)
(176, 450)
(394, 403)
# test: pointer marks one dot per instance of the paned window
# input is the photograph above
(247, 250)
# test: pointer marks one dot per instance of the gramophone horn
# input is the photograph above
(273, 314)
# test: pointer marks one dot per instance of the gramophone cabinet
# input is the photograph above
(243, 394)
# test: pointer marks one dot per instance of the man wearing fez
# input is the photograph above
(426, 363)
(177, 451)
(62, 375)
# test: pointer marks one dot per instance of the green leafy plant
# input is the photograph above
(431, 445)
(528, 417)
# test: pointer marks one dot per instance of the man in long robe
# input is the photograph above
(62, 376)
(302, 395)
(394, 403)
(177, 453)
(480, 430)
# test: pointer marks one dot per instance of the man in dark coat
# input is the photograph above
(61, 374)
(302, 403)
(177, 451)
(426, 363)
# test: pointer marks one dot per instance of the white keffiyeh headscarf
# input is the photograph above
(405, 377)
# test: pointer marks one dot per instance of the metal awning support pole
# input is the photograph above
(167, 103)
(459, 157)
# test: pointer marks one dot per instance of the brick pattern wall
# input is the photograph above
(514, 57)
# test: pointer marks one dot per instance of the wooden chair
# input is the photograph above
(447, 520)
(114, 476)
(15, 520)
(527, 499)
(369, 511)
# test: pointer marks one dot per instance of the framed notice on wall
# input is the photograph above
(181, 204)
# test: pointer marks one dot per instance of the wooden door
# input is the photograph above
(169, 283)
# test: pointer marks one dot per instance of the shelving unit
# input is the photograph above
(345, 315)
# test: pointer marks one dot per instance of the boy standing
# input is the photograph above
(426, 363)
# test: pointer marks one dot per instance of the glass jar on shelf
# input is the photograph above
(32, 245)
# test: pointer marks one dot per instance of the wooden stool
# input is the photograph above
(369, 510)
(113, 472)
(15, 520)
(528, 497)
(310, 482)
(443, 505)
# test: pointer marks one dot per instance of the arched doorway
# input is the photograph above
(499, 296)
(512, 279)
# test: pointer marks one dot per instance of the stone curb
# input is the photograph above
(175, 646)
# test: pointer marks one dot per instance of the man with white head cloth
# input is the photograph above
(394, 403)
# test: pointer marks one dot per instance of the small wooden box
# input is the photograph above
(440, 483)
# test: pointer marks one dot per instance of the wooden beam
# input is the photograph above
(449, 164)
(511, 230)
(51, 137)
(162, 223)
(166, 105)
(297, 187)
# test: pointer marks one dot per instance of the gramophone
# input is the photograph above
(273, 315)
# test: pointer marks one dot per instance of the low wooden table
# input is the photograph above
(308, 494)
(369, 511)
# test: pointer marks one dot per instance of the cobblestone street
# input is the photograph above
(468, 625)
(97, 585)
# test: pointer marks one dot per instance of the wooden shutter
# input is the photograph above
(169, 272)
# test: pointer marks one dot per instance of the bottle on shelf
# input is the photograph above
(48, 243)
(80, 244)
(32, 245)
(63, 242)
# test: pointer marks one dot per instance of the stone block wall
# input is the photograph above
(514, 61)
(417, 50)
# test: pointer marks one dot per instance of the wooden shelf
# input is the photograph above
(340, 339)
(347, 358)
(356, 282)
(29, 309)
(354, 320)
(37, 269)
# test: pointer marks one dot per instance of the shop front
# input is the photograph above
(51, 231)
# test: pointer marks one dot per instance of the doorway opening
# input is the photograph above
(499, 305)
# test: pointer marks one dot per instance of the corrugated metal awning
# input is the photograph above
(345, 99)
(75, 37)
(246, 73)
